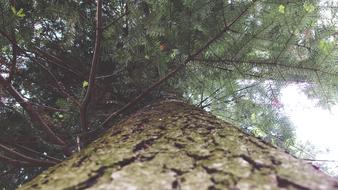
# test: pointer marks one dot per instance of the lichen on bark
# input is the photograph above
(173, 145)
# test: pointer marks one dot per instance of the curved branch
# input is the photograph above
(34, 116)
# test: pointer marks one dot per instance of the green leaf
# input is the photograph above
(325, 46)
(258, 132)
(174, 53)
(85, 84)
(13, 10)
(253, 118)
(21, 13)
(281, 9)
(308, 7)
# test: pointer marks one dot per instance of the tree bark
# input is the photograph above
(173, 145)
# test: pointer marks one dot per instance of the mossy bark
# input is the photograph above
(173, 145)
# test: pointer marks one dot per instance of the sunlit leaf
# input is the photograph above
(85, 84)
(308, 7)
(253, 117)
(21, 13)
(258, 132)
(325, 46)
(13, 10)
(281, 9)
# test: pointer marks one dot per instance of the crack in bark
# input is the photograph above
(91, 181)
(78, 164)
(252, 162)
(285, 183)
(256, 143)
(176, 184)
(100, 172)
(145, 144)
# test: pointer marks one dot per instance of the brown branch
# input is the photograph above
(25, 158)
(116, 20)
(58, 83)
(173, 72)
(19, 163)
(31, 151)
(48, 108)
(92, 74)
(266, 63)
(14, 59)
(55, 61)
(35, 117)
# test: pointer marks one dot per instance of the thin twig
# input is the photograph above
(25, 158)
(114, 21)
(37, 153)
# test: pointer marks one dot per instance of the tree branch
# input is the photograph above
(25, 158)
(92, 74)
(14, 59)
(179, 67)
(19, 163)
(35, 117)
(58, 83)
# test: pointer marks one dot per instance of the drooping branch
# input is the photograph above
(25, 158)
(267, 64)
(57, 82)
(94, 63)
(19, 163)
(115, 21)
(48, 108)
(178, 68)
(27, 106)
(56, 61)
(34, 152)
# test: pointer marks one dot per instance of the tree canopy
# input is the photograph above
(70, 69)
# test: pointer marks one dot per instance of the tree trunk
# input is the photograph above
(173, 145)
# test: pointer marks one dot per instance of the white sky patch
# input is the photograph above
(313, 124)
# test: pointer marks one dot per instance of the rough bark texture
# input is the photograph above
(173, 145)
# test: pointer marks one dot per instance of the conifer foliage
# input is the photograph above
(70, 69)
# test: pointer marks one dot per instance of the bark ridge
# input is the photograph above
(173, 145)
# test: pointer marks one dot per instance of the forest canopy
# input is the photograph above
(71, 69)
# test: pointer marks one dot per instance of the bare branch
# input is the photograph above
(35, 117)
(25, 158)
(92, 74)
(19, 163)
(58, 83)
(24, 148)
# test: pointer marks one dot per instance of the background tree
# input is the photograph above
(228, 57)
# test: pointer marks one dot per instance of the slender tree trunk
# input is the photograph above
(173, 145)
